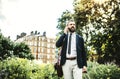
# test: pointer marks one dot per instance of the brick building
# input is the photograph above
(42, 47)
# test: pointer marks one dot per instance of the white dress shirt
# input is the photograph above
(73, 46)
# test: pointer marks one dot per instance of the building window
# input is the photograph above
(39, 56)
(38, 49)
(35, 43)
(35, 50)
(35, 38)
(34, 55)
(39, 38)
(53, 46)
(48, 40)
(42, 50)
(48, 45)
(43, 45)
(42, 38)
(48, 50)
(39, 44)
(53, 51)
(53, 56)
(31, 43)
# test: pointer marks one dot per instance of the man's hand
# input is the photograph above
(84, 69)
(66, 30)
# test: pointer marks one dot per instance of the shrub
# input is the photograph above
(100, 71)
(6, 47)
(9, 49)
(17, 68)
(22, 50)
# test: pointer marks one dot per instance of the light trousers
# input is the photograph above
(71, 70)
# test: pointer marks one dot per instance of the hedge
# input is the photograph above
(17, 68)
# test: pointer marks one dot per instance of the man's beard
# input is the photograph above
(72, 29)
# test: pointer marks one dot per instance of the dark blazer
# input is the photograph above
(81, 54)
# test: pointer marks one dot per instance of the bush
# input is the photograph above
(6, 47)
(22, 50)
(17, 68)
(9, 49)
(100, 71)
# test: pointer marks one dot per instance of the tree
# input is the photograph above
(6, 47)
(22, 50)
(9, 49)
(100, 24)
(66, 15)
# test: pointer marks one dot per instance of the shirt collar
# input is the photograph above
(72, 33)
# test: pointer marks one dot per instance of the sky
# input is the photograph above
(17, 16)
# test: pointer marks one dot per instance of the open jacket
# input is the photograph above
(81, 54)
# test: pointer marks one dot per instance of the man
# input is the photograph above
(73, 55)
